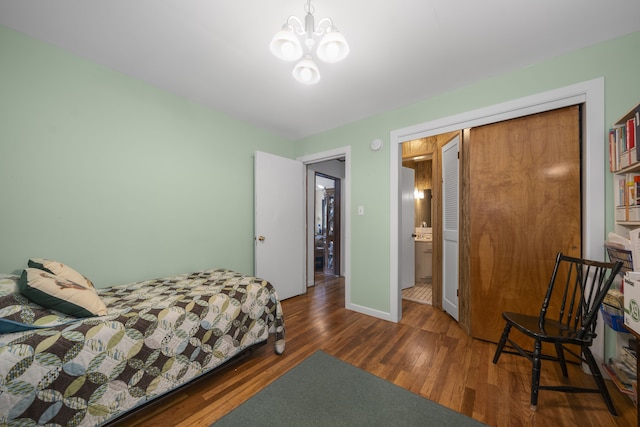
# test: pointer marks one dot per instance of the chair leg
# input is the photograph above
(597, 376)
(503, 341)
(561, 359)
(535, 373)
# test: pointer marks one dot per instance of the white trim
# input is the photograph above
(370, 312)
(342, 152)
(591, 93)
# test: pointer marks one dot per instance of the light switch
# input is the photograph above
(360, 210)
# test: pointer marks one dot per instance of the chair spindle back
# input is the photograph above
(584, 286)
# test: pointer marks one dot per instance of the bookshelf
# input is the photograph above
(624, 163)
(635, 390)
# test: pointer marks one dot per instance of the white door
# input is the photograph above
(407, 229)
(450, 187)
(280, 223)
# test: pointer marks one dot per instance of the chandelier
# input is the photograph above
(287, 46)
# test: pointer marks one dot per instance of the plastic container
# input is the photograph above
(615, 322)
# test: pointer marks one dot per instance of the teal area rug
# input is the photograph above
(325, 391)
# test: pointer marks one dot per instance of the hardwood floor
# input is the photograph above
(426, 353)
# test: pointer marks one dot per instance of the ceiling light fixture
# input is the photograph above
(286, 44)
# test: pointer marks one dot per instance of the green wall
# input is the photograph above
(617, 61)
(125, 182)
(114, 177)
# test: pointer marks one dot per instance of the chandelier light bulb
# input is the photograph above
(306, 71)
(333, 50)
(305, 75)
(285, 44)
(333, 47)
(288, 49)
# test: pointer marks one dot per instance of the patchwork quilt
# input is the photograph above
(157, 335)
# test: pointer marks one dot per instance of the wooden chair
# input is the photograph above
(568, 317)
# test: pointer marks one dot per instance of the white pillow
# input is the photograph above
(61, 294)
(60, 269)
(8, 284)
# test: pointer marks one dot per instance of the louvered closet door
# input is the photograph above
(525, 199)
(450, 227)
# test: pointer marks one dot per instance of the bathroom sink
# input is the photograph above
(423, 234)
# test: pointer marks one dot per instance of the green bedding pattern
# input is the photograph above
(157, 335)
(17, 313)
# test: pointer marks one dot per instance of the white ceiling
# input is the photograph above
(216, 52)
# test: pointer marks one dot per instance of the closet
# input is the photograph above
(522, 205)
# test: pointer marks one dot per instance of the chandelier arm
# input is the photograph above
(297, 25)
(319, 30)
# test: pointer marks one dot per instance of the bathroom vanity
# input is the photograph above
(424, 254)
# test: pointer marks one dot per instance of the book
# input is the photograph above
(634, 238)
(623, 371)
(617, 241)
(620, 249)
(636, 117)
(626, 388)
(621, 142)
(631, 133)
(631, 197)
(622, 195)
(613, 152)
(629, 357)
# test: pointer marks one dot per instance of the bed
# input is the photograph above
(155, 336)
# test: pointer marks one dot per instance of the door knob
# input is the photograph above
(261, 238)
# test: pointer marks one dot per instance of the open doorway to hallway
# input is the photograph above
(326, 203)
(327, 225)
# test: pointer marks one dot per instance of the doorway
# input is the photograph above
(327, 239)
(343, 156)
(424, 156)
(417, 239)
(335, 163)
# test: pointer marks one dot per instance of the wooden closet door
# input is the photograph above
(525, 206)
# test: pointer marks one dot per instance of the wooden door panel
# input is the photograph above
(525, 206)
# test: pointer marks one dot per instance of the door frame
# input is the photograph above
(337, 153)
(590, 93)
